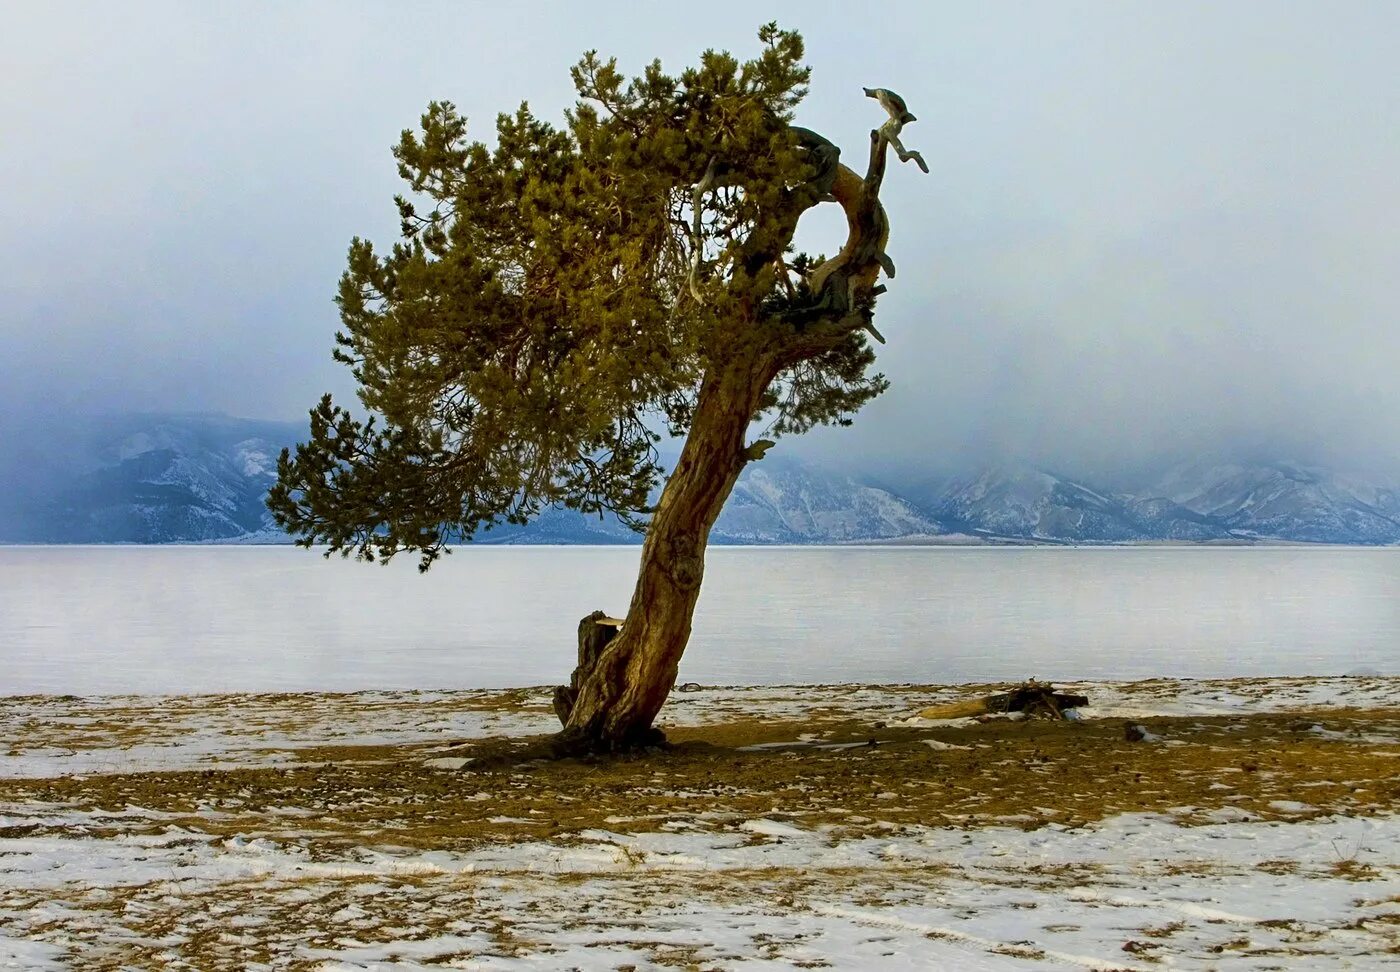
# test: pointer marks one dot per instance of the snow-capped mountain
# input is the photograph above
(1031, 504)
(149, 479)
(781, 500)
(1288, 501)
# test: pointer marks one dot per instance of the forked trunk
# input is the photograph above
(619, 697)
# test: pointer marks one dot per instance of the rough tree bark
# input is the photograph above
(619, 698)
(616, 694)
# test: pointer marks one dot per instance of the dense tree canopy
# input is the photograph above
(559, 299)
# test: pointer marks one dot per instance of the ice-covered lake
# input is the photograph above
(90, 620)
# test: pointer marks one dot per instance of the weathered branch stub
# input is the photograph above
(595, 632)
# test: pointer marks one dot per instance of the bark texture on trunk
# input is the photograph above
(619, 698)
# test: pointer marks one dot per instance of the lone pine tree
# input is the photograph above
(559, 299)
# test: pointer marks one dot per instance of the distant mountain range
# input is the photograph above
(1193, 502)
(202, 478)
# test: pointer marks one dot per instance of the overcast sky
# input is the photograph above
(1150, 228)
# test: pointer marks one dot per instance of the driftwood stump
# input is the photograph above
(1031, 697)
(1035, 699)
(594, 633)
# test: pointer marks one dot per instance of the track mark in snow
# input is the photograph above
(1190, 908)
(986, 944)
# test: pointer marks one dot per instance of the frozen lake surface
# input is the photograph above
(97, 620)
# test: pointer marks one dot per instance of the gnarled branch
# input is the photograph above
(846, 283)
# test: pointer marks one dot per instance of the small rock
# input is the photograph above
(689, 687)
(1136, 732)
(939, 745)
(447, 762)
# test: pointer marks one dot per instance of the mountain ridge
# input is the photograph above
(201, 478)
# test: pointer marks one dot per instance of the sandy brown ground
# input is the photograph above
(1026, 772)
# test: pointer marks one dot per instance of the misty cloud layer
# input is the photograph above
(1149, 229)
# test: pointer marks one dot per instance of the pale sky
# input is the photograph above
(1149, 228)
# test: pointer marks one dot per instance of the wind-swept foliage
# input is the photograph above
(558, 299)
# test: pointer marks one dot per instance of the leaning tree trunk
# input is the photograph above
(622, 681)
(614, 702)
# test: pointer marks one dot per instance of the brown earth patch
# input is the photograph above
(1028, 774)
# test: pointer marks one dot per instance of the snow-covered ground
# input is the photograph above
(711, 882)
(1128, 893)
